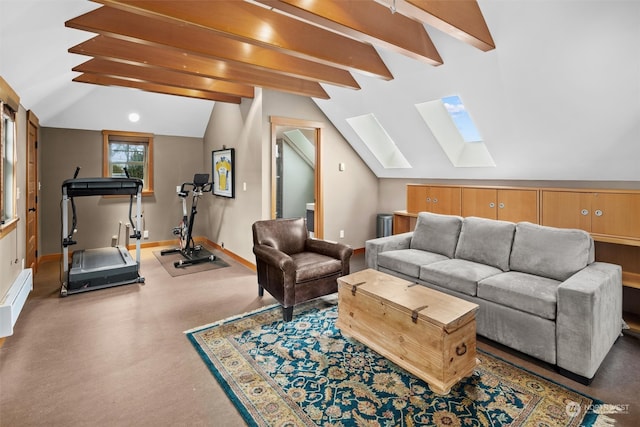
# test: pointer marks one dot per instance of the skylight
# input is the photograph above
(461, 119)
(451, 125)
(378, 141)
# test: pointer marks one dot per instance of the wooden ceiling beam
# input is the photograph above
(184, 62)
(461, 19)
(365, 20)
(255, 24)
(142, 29)
(163, 76)
(102, 80)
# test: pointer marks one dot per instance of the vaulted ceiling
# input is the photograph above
(221, 50)
(558, 98)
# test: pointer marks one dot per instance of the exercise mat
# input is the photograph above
(168, 261)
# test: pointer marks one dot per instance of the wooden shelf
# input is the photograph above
(633, 320)
(631, 280)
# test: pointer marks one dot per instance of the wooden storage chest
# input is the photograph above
(428, 333)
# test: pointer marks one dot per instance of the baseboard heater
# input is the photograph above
(14, 300)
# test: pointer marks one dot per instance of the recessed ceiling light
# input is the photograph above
(134, 117)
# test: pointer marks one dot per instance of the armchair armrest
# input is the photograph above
(274, 258)
(382, 244)
(589, 317)
(334, 250)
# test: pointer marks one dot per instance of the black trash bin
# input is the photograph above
(384, 225)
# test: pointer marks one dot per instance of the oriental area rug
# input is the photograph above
(306, 373)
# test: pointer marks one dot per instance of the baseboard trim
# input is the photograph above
(201, 240)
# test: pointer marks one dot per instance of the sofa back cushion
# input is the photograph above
(486, 241)
(436, 233)
(556, 253)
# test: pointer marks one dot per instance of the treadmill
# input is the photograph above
(92, 269)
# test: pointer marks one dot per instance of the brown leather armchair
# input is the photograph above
(293, 267)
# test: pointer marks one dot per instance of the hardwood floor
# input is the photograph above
(118, 356)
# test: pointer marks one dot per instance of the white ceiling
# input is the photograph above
(559, 97)
(42, 76)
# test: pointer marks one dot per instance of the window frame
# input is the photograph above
(109, 136)
(9, 223)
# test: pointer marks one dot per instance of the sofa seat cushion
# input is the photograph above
(407, 261)
(312, 265)
(556, 253)
(486, 241)
(525, 292)
(457, 274)
(436, 233)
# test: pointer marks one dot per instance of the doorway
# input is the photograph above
(31, 255)
(296, 184)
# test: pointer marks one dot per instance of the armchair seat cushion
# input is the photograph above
(311, 266)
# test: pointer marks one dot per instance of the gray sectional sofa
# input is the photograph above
(539, 289)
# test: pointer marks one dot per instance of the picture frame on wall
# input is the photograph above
(222, 163)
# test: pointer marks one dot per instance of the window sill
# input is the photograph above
(8, 227)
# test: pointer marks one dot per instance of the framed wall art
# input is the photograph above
(223, 172)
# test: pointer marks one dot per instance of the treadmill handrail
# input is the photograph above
(79, 187)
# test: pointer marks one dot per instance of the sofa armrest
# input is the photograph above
(589, 317)
(382, 244)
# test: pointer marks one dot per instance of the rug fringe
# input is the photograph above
(604, 421)
(229, 319)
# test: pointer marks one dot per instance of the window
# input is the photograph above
(130, 150)
(455, 131)
(378, 141)
(7, 167)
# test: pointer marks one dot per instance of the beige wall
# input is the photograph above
(229, 220)
(12, 245)
(176, 160)
(350, 197)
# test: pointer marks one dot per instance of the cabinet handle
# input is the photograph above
(501, 205)
(492, 205)
(435, 200)
(428, 199)
(584, 212)
(598, 212)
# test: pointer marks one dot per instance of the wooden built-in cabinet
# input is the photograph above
(437, 199)
(611, 216)
(501, 203)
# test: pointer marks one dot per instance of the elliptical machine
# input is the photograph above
(193, 254)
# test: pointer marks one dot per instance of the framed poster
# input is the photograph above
(223, 172)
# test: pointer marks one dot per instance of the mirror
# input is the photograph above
(295, 171)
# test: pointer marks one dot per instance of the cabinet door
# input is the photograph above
(445, 200)
(480, 202)
(566, 209)
(518, 205)
(616, 214)
(417, 198)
